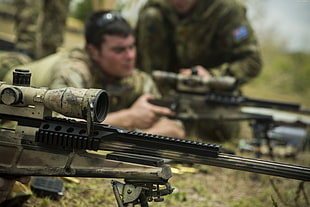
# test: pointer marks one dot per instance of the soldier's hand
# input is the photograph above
(146, 114)
(196, 70)
(167, 127)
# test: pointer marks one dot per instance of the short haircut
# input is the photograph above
(105, 23)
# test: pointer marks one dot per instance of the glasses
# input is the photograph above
(109, 17)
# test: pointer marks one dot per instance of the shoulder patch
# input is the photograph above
(240, 32)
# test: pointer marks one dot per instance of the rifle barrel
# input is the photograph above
(254, 165)
(119, 140)
(227, 99)
(273, 104)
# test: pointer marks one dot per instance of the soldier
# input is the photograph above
(40, 26)
(11, 59)
(108, 62)
(213, 37)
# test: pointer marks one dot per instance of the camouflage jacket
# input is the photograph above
(216, 35)
(9, 60)
(74, 68)
(35, 21)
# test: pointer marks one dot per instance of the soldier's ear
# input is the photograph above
(92, 51)
(95, 53)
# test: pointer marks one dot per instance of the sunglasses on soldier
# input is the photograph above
(109, 17)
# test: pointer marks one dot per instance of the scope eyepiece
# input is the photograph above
(101, 106)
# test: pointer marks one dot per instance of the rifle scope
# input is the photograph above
(193, 83)
(71, 102)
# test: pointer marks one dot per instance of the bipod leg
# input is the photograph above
(117, 194)
(260, 132)
(143, 200)
(126, 195)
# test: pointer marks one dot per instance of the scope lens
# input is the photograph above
(101, 106)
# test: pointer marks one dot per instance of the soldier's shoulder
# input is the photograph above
(226, 10)
(9, 61)
(73, 58)
(137, 78)
(137, 73)
(73, 53)
(233, 5)
(144, 83)
(224, 5)
(156, 5)
(78, 53)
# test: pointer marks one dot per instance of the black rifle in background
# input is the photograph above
(199, 98)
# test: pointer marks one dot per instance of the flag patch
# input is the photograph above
(240, 32)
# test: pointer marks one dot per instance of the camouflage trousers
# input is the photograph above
(40, 25)
(9, 60)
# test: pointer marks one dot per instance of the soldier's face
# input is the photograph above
(183, 6)
(117, 55)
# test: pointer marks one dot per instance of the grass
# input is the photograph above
(218, 187)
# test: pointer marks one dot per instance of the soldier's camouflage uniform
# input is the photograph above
(74, 68)
(40, 25)
(9, 60)
(217, 35)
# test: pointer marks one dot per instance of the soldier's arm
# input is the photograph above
(163, 126)
(167, 127)
(156, 55)
(145, 116)
(71, 71)
(239, 43)
(140, 115)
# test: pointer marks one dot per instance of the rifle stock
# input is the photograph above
(47, 146)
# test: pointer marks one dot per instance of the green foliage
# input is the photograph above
(176, 197)
(291, 72)
(82, 10)
(302, 72)
(284, 73)
(248, 203)
(275, 204)
(45, 202)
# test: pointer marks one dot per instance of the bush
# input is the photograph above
(82, 10)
